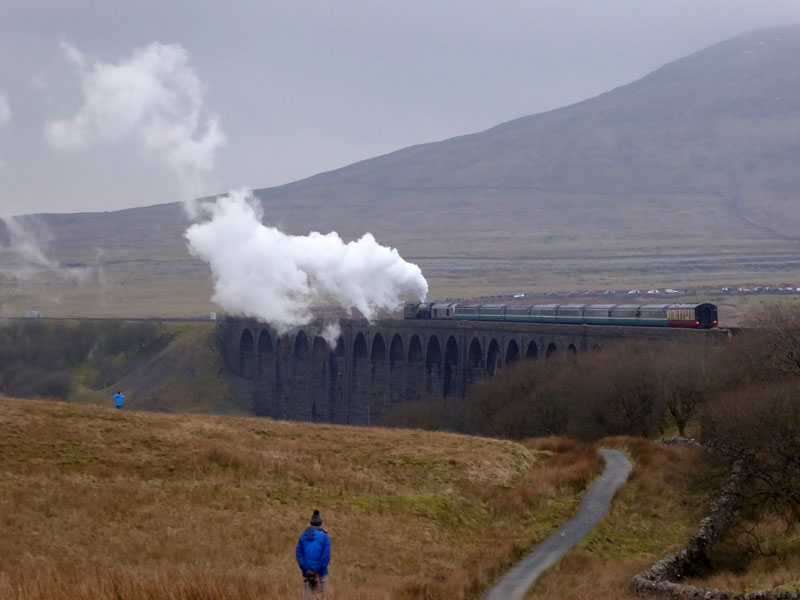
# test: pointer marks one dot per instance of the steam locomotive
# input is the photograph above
(695, 316)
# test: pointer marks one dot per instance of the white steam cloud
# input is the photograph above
(25, 255)
(152, 96)
(261, 272)
(330, 333)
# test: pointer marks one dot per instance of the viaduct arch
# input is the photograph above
(370, 368)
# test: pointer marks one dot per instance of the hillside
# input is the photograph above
(173, 367)
(684, 177)
(98, 504)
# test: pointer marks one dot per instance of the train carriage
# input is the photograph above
(544, 313)
(653, 315)
(599, 314)
(696, 316)
(624, 314)
(570, 313)
(699, 316)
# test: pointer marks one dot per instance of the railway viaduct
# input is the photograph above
(373, 367)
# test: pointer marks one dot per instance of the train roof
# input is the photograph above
(585, 306)
(605, 306)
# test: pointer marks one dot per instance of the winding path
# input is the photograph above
(594, 506)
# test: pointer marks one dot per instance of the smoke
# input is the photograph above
(152, 96)
(25, 255)
(261, 272)
(330, 333)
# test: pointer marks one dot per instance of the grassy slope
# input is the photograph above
(99, 504)
(181, 372)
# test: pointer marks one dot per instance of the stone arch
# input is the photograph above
(572, 349)
(282, 398)
(596, 347)
(320, 350)
(474, 361)
(246, 354)
(265, 347)
(415, 349)
(379, 379)
(396, 351)
(263, 393)
(512, 352)
(334, 388)
(493, 357)
(301, 348)
(301, 379)
(360, 346)
(415, 369)
(397, 370)
(378, 348)
(359, 406)
(433, 356)
(449, 381)
(475, 355)
(433, 366)
(551, 349)
(532, 351)
(319, 374)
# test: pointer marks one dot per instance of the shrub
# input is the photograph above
(759, 428)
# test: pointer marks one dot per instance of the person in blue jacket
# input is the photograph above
(313, 555)
(118, 398)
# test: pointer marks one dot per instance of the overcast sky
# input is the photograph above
(296, 88)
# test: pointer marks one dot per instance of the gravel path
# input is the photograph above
(595, 504)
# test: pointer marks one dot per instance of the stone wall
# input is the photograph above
(663, 578)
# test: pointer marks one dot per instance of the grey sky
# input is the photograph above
(308, 86)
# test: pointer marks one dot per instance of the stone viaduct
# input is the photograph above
(373, 367)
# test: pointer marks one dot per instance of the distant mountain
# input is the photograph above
(723, 121)
(699, 158)
(714, 122)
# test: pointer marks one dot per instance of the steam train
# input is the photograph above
(695, 316)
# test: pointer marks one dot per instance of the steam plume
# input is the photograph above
(261, 272)
(152, 96)
(26, 252)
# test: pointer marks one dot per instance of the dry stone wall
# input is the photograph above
(663, 578)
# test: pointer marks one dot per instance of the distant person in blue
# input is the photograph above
(313, 555)
(118, 398)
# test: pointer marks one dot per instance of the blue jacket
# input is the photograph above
(314, 551)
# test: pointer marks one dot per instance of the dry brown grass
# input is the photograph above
(98, 504)
(757, 557)
(653, 514)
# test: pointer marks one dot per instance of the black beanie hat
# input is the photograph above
(316, 520)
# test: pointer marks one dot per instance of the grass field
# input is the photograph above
(98, 504)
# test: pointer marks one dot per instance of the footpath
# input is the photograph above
(594, 506)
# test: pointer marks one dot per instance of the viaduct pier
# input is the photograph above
(370, 368)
